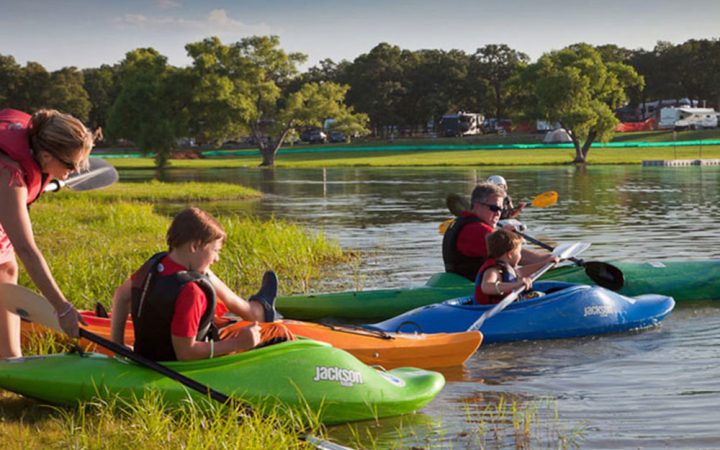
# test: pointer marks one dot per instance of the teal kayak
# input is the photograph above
(298, 374)
(682, 280)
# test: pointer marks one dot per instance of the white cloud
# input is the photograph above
(216, 22)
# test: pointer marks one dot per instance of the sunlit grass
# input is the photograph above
(92, 248)
(146, 423)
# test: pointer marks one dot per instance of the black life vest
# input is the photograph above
(153, 307)
(456, 262)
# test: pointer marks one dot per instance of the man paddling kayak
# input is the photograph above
(464, 247)
(172, 298)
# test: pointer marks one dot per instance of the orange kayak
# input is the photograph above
(389, 350)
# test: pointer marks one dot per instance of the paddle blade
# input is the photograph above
(442, 228)
(570, 250)
(605, 275)
(545, 199)
(28, 305)
(99, 174)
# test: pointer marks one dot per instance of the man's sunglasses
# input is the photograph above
(493, 208)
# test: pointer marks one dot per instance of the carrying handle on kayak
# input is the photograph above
(99, 174)
(34, 308)
(564, 251)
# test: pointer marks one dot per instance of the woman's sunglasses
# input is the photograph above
(75, 167)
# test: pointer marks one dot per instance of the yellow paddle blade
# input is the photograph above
(545, 199)
(442, 228)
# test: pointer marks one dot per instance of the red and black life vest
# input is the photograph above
(456, 262)
(153, 307)
(507, 275)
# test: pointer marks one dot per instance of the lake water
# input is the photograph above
(657, 388)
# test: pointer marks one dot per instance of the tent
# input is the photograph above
(559, 136)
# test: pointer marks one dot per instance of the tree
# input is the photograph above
(150, 107)
(244, 87)
(10, 74)
(378, 84)
(499, 64)
(66, 93)
(576, 88)
(102, 89)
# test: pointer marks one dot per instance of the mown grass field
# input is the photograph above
(330, 155)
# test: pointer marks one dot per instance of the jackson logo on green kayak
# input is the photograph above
(345, 377)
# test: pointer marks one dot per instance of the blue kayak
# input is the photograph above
(565, 310)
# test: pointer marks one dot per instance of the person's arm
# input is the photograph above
(121, 304)
(188, 349)
(15, 220)
(492, 284)
(533, 257)
(530, 269)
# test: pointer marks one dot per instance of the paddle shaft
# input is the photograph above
(150, 364)
(544, 245)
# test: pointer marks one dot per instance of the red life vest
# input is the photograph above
(15, 143)
(506, 276)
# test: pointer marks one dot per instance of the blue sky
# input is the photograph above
(85, 33)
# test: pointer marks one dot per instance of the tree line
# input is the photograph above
(253, 87)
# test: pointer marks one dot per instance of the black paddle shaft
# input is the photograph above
(150, 364)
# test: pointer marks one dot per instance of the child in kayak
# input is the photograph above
(172, 298)
(500, 274)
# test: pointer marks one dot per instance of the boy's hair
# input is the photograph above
(194, 224)
(483, 191)
(502, 241)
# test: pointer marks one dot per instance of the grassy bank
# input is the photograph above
(92, 249)
(93, 241)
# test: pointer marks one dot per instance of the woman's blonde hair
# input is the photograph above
(194, 224)
(61, 135)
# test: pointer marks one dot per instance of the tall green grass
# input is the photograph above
(94, 241)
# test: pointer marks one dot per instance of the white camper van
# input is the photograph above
(687, 118)
(461, 124)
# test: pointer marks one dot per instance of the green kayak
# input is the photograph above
(682, 280)
(373, 304)
(332, 382)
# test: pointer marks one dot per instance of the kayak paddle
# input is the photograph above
(99, 174)
(34, 308)
(564, 251)
(602, 273)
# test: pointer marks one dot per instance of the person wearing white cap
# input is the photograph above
(509, 212)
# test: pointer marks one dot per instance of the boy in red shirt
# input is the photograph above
(173, 298)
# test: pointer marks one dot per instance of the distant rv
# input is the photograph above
(687, 118)
(461, 124)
